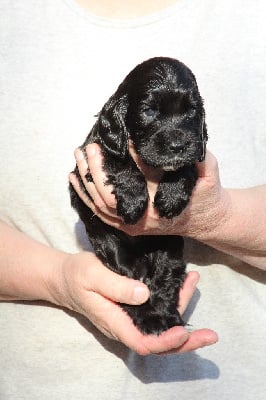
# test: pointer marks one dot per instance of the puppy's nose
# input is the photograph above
(176, 147)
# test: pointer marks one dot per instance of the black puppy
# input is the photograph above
(159, 108)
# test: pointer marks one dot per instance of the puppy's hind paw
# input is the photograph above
(156, 324)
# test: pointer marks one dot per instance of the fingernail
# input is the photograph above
(212, 340)
(71, 177)
(140, 295)
(195, 282)
(195, 277)
(78, 155)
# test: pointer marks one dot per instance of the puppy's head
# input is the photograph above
(165, 117)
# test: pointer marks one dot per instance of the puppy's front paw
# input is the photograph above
(170, 206)
(132, 209)
(129, 188)
(174, 191)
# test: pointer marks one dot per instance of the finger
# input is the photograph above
(76, 185)
(116, 287)
(90, 203)
(94, 201)
(83, 168)
(81, 162)
(95, 163)
(198, 339)
(170, 340)
(99, 209)
(106, 215)
(187, 290)
(96, 197)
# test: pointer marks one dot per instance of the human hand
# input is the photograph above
(83, 284)
(208, 206)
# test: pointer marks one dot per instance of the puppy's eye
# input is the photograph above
(149, 112)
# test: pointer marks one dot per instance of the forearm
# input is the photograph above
(30, 270)
(242, 230)
(27, 267)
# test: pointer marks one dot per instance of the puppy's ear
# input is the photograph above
(112, 130)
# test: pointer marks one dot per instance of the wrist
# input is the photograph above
(240, 231)
(213, 224)
(53, 279)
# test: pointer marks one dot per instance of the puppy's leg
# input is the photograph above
(174, 191)
(157, 261)
(129, 188)
(165, 275)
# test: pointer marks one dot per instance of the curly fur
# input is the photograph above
(158, 107)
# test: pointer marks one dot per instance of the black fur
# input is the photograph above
(157, 106)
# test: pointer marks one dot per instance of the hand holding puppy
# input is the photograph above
(206, 210)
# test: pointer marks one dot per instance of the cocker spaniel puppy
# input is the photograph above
(159, 109)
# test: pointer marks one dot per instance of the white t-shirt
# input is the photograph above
(58, 66)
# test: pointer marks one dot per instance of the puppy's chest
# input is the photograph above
(152, 175)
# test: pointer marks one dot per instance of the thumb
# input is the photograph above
(116, 287)
(208, 167)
